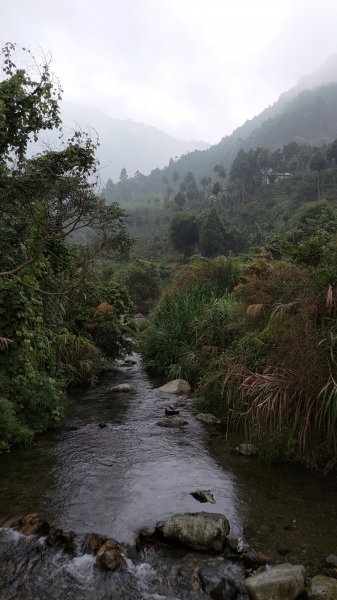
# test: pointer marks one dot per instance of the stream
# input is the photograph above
(132, 473)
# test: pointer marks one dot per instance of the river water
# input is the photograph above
(133, 473)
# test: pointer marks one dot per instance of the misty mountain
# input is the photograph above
(305, 116)
(125, 143)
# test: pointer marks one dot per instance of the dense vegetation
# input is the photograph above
(58, 319)
(239, 256)
(256, 333)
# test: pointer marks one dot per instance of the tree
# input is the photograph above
(123, 175)
(211, 237)
(176, 177)
(221, 171)
(143, 282)
(180, 200)
(184, 233)
(49, 294)
(27, 105)
(318, 164)
(216, 188)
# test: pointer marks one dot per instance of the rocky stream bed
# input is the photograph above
(120, 504)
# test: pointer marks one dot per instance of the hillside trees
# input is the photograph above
(184, 233)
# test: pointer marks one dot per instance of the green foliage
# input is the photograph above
(53, 328)
(11, 429)
(195, 316)
(211, 236)
(143, 279)
(184, 233)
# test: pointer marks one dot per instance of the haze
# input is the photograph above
(195, 69)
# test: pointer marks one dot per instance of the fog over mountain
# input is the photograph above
(123, 142)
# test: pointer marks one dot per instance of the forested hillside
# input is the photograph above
(309, 118)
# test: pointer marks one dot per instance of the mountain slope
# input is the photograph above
(308, 118)
(126, 143)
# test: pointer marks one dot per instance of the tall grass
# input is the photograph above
(263, 353)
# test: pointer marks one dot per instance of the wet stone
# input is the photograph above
(111, 556)
(225, 590)
(331, 561)
(202, 531)
(174, 422)
(322, 588)
(208, 418)
(203, 496)
(93, 542)
(120, 387)
(32, 524)
(177, 386)
(284, 582)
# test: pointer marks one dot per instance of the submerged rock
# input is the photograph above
(202, 530)
(102, 425)
(208, 418)
(284, 582)
(247, 449)
(169, 411)
(253, 559)
(322, 588)
(120, 387)
(177, 386)
(203, 496)
(225, 590)
(130, 362)
(176, 422)
(111, 555)
(59, 538)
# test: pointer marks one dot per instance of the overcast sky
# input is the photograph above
(194, 68)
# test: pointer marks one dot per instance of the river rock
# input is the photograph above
(59, 538)
(177, 386)
(120, 387)
(147, 535)
(322, 588)
(111, 555)
(32, 524)
(202, 530)
(218, 584)
(247, 449)
(331, 561)
(225, 590)
(130, 362)
(253, 559)
(208, 418)
(170, 410)
(93, 542)
(174, 422)
(284, 582)
(203, 496)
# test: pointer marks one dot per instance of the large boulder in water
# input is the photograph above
(111, 555)
(177, 386)
(201, 530)
(284, 582)
(120, 387)
(323, 588)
